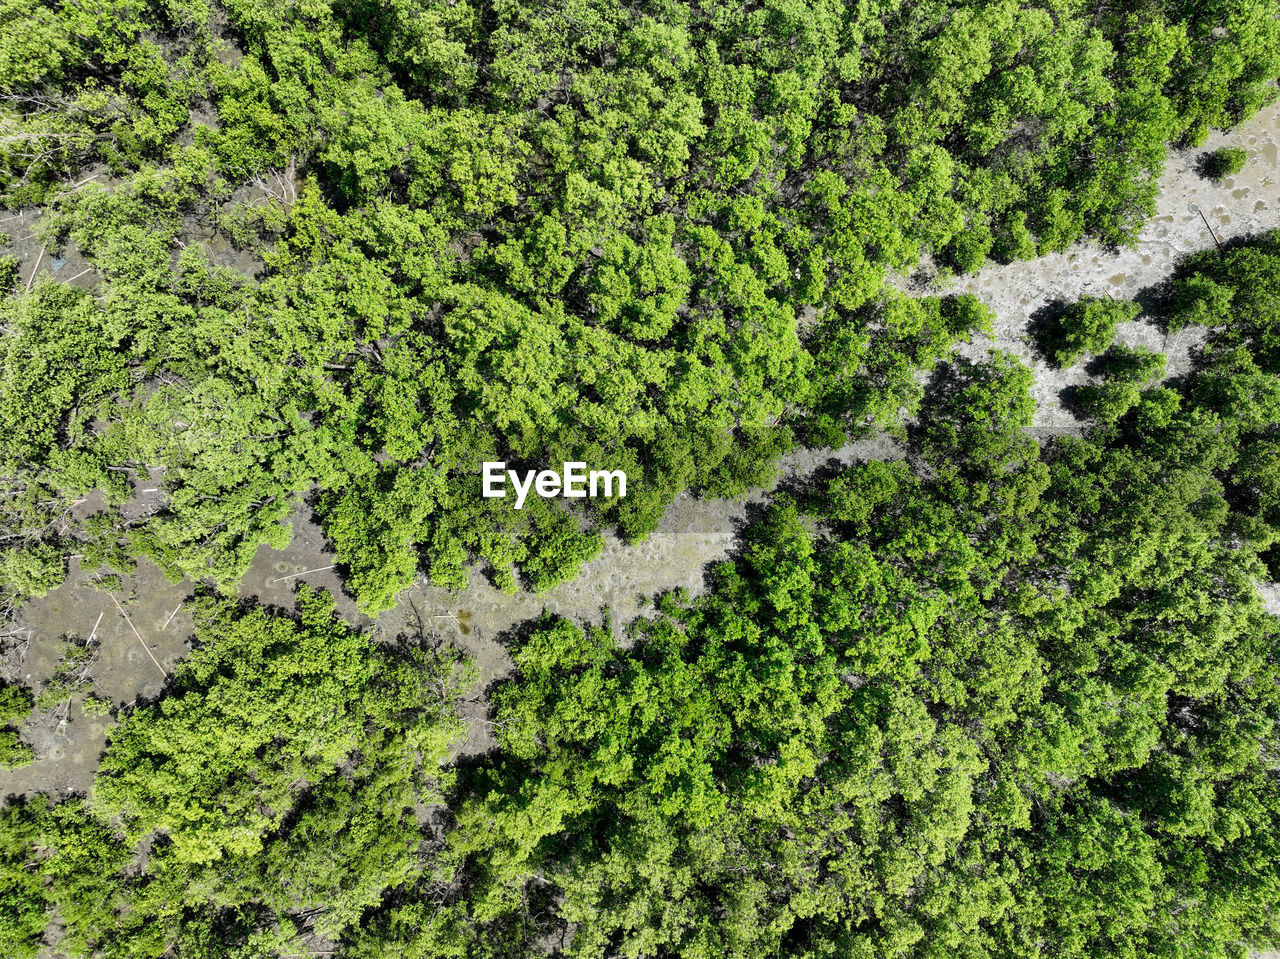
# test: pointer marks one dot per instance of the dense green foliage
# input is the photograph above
(274, 789)
(647, 237)
(1126, 370)
(1026, 706)
(996, 700)
(1085, 326)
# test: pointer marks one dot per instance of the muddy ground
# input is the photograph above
(133, 653)
(1238, 206)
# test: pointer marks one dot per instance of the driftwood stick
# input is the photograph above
(1210, 229)
(318, 569)
(76, 186)
(171, 615)
(139, 635)
(35, 269)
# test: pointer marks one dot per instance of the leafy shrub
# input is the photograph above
(1223, 162)
(1132, 364)
(1198, 300)
(1107, 402)
(1087, 325)
(15, 704)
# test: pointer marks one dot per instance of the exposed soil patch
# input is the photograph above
(127, 666)
(67, 265)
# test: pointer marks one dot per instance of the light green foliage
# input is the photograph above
(60, 372)
(95, 706)
(23, 910)
(71, 675)
(868, 361)
(288, 700)
(69, 863)
(60, 364)
(1132, 364)
(1086, 326)
(1198, 300)
(1235, 295)
(274, 788)
(1107, 402)
(83, 86)
(1127, 370)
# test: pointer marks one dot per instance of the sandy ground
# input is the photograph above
(694, 533)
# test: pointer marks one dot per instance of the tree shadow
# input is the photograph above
(1073, 400)
(1217, 165)
(1045, 328)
